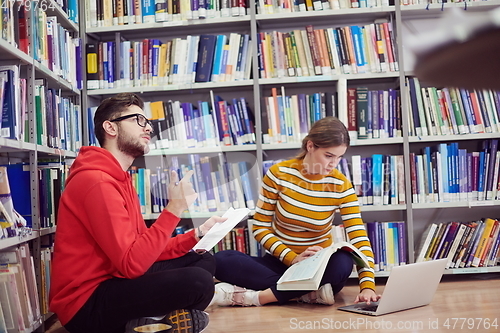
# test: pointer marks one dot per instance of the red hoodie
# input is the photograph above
(101, 233)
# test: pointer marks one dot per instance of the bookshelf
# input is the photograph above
(404, 18)
(40, 73)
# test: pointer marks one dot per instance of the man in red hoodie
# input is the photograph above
(109, 271)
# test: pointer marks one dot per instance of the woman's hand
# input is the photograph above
(181, 193)
(208, 224)
(368, 296)
(309, 252)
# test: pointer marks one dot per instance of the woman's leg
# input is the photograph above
(262, 273)
(257, 273)
(337, 272)
(185, 282)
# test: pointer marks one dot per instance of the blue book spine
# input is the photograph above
(148, 11)
(491, 169)
(140, 189)
(382, 244)
(371, 229)
(209, 187)
(304, 126)
(369, 116)
(188, 124)
(427, 153)
(443, 149)
(369, 170)
(358, 48)
(402, 243)
(208, 124)
(248, 122)
(317, 106)
(219, 52)
(375, 114)
(247, 188)
(205, 58)
(198, 175)
(20, 189)
(282, 119)
(471, 112)
(240, 121)
(365, 183)
(377, 176)
(392, 113)
(242, 57)
(469, 176)
(155, 58)
(111, 64)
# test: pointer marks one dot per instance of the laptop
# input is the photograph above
(408, 286)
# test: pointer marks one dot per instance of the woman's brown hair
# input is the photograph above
(325, 133)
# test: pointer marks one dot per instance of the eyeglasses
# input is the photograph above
(141, 120)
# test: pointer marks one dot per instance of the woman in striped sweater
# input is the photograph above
(293, 220)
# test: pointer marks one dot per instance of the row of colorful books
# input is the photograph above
(426, 2)
(452, 111)
(377, 179)
(57, 119)
(332, 51)
(446, 173)
(54, 47)
(151, 62)
(184, 125)
(13, 104)
(289, 118)
(373, 114)
(219, 184)
(388, 241)
(20, 309)
(51, 179)
(288, 6)
(469, 244)
(8, 28)
(107, 13)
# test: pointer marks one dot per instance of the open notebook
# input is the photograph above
(408, 286)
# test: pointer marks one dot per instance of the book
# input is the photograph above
(220, 230)
(307, 274)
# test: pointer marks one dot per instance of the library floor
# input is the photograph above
(463, 303)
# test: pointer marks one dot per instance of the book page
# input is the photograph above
(307, 268)
(219, 230)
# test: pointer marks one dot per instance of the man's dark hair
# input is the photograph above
(112, 108)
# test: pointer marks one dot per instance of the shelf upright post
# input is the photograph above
(256, 92)
(405, 114)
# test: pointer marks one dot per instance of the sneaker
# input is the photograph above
(228, 295)
(178, 321)
(324, 295)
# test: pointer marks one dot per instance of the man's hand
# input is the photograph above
(181, 193)
(208, 224)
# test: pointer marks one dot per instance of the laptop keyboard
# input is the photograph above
(370, 308)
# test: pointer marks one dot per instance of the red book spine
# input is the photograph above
(23, 31)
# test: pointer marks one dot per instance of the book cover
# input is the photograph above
(307, 274)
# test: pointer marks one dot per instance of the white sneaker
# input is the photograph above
(324, 295)
(228, 295)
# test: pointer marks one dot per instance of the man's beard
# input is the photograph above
(129, 146)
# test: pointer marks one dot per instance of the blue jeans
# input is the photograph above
(260, 273)
(181, 283)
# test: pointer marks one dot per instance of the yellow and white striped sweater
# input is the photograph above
(295, 210)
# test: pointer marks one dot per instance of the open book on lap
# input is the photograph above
(219, 230)
(307, 274)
